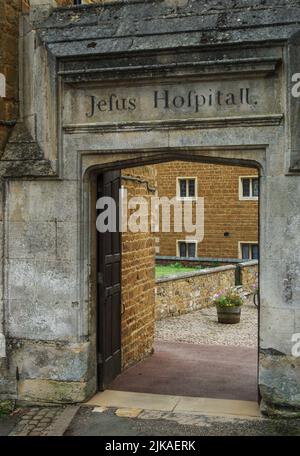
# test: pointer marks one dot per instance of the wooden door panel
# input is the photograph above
(109, 289)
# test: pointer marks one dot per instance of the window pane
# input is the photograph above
(183, 189)
(246, 187)
(245, 252)
(191, 249)
(255, 187)
(182, 249)
(191, 187)
(255, 252)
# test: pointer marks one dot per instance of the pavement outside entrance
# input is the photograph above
(96, 421)
(206, 371)
(133, 404)
(88, 422)
(182, 389)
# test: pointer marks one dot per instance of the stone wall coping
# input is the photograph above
(133, 25)
(248, 263)
(186, 275)
(199, 259)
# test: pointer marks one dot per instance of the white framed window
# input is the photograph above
(248, 250)
(187, 249)
(186, 188)
(248, 187)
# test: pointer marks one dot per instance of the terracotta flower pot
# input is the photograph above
(229, 315)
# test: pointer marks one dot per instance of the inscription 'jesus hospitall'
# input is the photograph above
(170, 100)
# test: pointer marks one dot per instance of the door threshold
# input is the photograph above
(176, 404)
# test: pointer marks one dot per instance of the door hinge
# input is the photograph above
(122, 309)
(100, 359)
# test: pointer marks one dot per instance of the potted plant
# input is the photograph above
(229, 303)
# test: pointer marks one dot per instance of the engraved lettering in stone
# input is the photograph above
(135, 103)
(195, 100)
(112, 103)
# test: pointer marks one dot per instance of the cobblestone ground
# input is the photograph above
(202, 327)
(46, 421)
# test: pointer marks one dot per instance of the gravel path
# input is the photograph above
(202, 327)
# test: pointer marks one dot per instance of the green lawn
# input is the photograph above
(171, 269)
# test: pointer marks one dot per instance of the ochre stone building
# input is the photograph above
(230, 212)
(138, 274)
(85, 103)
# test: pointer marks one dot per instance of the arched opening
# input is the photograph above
(130, 371)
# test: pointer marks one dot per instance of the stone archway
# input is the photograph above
(89, 179)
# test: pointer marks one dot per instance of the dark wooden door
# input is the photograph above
(109, 288)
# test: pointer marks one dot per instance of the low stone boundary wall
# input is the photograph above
(183, 293)
(249, 274)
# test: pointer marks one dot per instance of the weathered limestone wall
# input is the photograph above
(186, 292)
(138, 275)
(279, 375)
(49, 347)
(223, 209)
(52, 350)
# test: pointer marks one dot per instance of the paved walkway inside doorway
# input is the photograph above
(206, 371)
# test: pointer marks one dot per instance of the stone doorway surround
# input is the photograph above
(51, 291)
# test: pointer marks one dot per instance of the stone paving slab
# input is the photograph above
(219, 407)
(136, 402)
(122, 399)
(128, 412)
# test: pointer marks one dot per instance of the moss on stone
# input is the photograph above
(6, 407)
